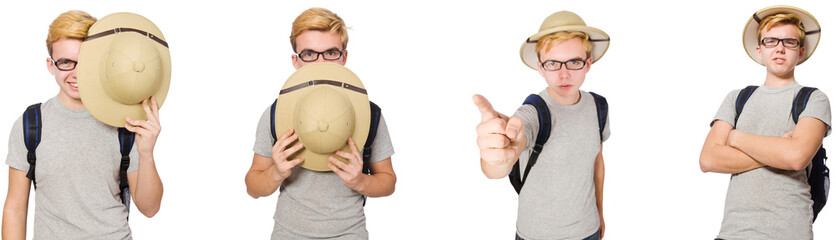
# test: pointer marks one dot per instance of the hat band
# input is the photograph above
(119, 30)
(528, 40)
(319, 82)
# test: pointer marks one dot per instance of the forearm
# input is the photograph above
(496, 171)
(725, 159)
(149, 187)
(262, 183)
(377, 185)
(14, 222)
(598, 178)
(778, 152)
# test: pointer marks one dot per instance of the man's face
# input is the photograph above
(780, 60)
(318, 41)
(63, 50)
(565, 82)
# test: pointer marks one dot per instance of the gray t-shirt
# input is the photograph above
(770, 203)
(315, 205)
(77, 175)
(558, 199)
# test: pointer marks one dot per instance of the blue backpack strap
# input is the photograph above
(603, 110)
(367, 147)
(819, 176)
(32, 137)
(126, 142)
(273, 121)
(544, 120)
(742, 98)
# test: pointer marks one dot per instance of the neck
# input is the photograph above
(74, 104)
(774, 80)
(571, 99)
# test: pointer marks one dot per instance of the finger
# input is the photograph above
(340, 173)
(492, 126)
(286, 138)
(148, 113)
(485, 107)
(354, 150)
(493, 141)
(292, 163)
(138, 130)
(155, 107)
(338, 163)
(352, 159)
(292, 150)
(514, 127)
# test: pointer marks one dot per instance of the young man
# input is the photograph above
(77, 185)
(563, 194)
(764, 150)
(318, 204)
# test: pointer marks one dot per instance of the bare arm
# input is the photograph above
(17, 203)
(717, 156)
(267, 174)
(500, 139)
(145, 184)
(598, 178)
(789, 153)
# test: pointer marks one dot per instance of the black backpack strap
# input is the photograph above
(544, 120)
(273, 121)
(603, 109)
(800, 102)
(742, 98)
(367, 148)
(126, 142)
(32, 137)
(819, 175)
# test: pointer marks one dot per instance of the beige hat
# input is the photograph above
(124, 60)
(810, 24)
(559, 22)
(325, 104)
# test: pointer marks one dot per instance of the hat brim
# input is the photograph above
(91, 60)
(287, 101)
(600, 42)
(750, 31)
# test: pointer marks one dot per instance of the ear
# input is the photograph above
(294, 60)
(345, 57)
(588, 65)
(758, 52)
(49, 67)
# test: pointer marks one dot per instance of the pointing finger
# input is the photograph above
(485, 107)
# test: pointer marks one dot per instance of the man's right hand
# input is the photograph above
(500, 139)
(280, 155)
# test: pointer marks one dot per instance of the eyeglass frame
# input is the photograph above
(54, 62)
(318, 54)
(566, 63)
(782, 42)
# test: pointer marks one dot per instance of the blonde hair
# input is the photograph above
(554, 39)
(72, 25)
(782, 18)
(318, 19)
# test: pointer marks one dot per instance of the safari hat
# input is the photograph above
(559, 22)
(810, 24)
(325, 104)
(124, 60)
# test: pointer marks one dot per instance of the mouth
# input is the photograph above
(779, 60)
(73, 85)
(565, 86)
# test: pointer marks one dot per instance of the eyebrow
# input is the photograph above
(330, 49)
(573, 59)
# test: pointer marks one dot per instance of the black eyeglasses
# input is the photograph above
(330, 54)
(771, 42)
(554, 65)
(64, 64)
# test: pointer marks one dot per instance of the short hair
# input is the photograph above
(553, 39)
(782, 18)
(71, 25)
(318, 19)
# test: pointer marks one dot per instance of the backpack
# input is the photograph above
(367, 147)
(819, 176)
(544, 119)
(32, 137)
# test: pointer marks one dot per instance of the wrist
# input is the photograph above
(362, 181)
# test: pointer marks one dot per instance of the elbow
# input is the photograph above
(797, 160)
(705, 163)
(149, 212)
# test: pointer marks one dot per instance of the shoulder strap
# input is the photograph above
(32, 137)
(603, 109)
(742, 97)
(367, 148)
(544, 120)
(126, 142)
(800, 102)
(273, 121)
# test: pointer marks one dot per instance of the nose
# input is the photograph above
(563, 73)
(780, 48)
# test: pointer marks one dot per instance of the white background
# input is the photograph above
(668, 67)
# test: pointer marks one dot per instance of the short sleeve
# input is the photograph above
(382, 146)
(531, 124)
(606, 133)
(818, 107)
(263, 138)
(16, 158)
(726, 112)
